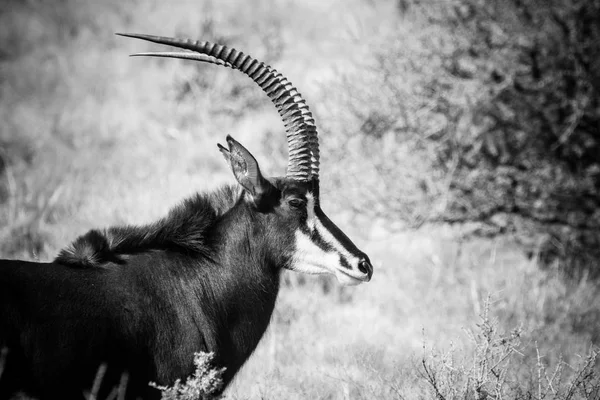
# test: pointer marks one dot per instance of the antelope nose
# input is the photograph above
(364, 266)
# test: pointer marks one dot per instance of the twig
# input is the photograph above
(540, 368)
(430, 376)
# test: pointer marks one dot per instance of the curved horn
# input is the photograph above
(302, 139)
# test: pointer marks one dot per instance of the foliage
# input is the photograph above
(488, 115)
(205, 383)
(495, 370)
(533, 152)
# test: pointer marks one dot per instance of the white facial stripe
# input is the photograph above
(311, 258)
(310, 209)
(313, 222)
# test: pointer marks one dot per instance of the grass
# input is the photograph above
(428, 289)
(93, 138)
(496, 369)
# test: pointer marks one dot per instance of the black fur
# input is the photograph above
(144, 299)
(186, 229)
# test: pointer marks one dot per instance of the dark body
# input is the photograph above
(142, 300)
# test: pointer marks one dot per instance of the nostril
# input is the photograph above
(365, 267)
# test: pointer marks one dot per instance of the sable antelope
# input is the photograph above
(143, 299)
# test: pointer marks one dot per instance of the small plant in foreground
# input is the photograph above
(205, 383)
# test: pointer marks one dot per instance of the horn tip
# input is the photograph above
(127, 34)
(137, 36)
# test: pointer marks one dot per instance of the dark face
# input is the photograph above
(316, 245)
(319, 246)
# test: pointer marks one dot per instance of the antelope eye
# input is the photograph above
(296, 203)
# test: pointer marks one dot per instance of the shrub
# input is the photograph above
(205, 383)
(499, 367)
(486, 113)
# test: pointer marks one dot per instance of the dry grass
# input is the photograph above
(93, 138)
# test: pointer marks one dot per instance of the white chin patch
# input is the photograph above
(346, 280)
(311, 259)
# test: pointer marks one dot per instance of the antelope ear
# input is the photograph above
(245, 169)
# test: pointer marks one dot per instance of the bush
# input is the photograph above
(205, 383)
(534, 153)
(498, 366)
(489, 115)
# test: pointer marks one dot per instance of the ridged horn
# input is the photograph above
(302, 139)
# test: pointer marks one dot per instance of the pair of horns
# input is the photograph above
(303, 143)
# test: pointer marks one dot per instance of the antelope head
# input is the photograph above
(314, 244)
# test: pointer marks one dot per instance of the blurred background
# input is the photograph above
(460, 146)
